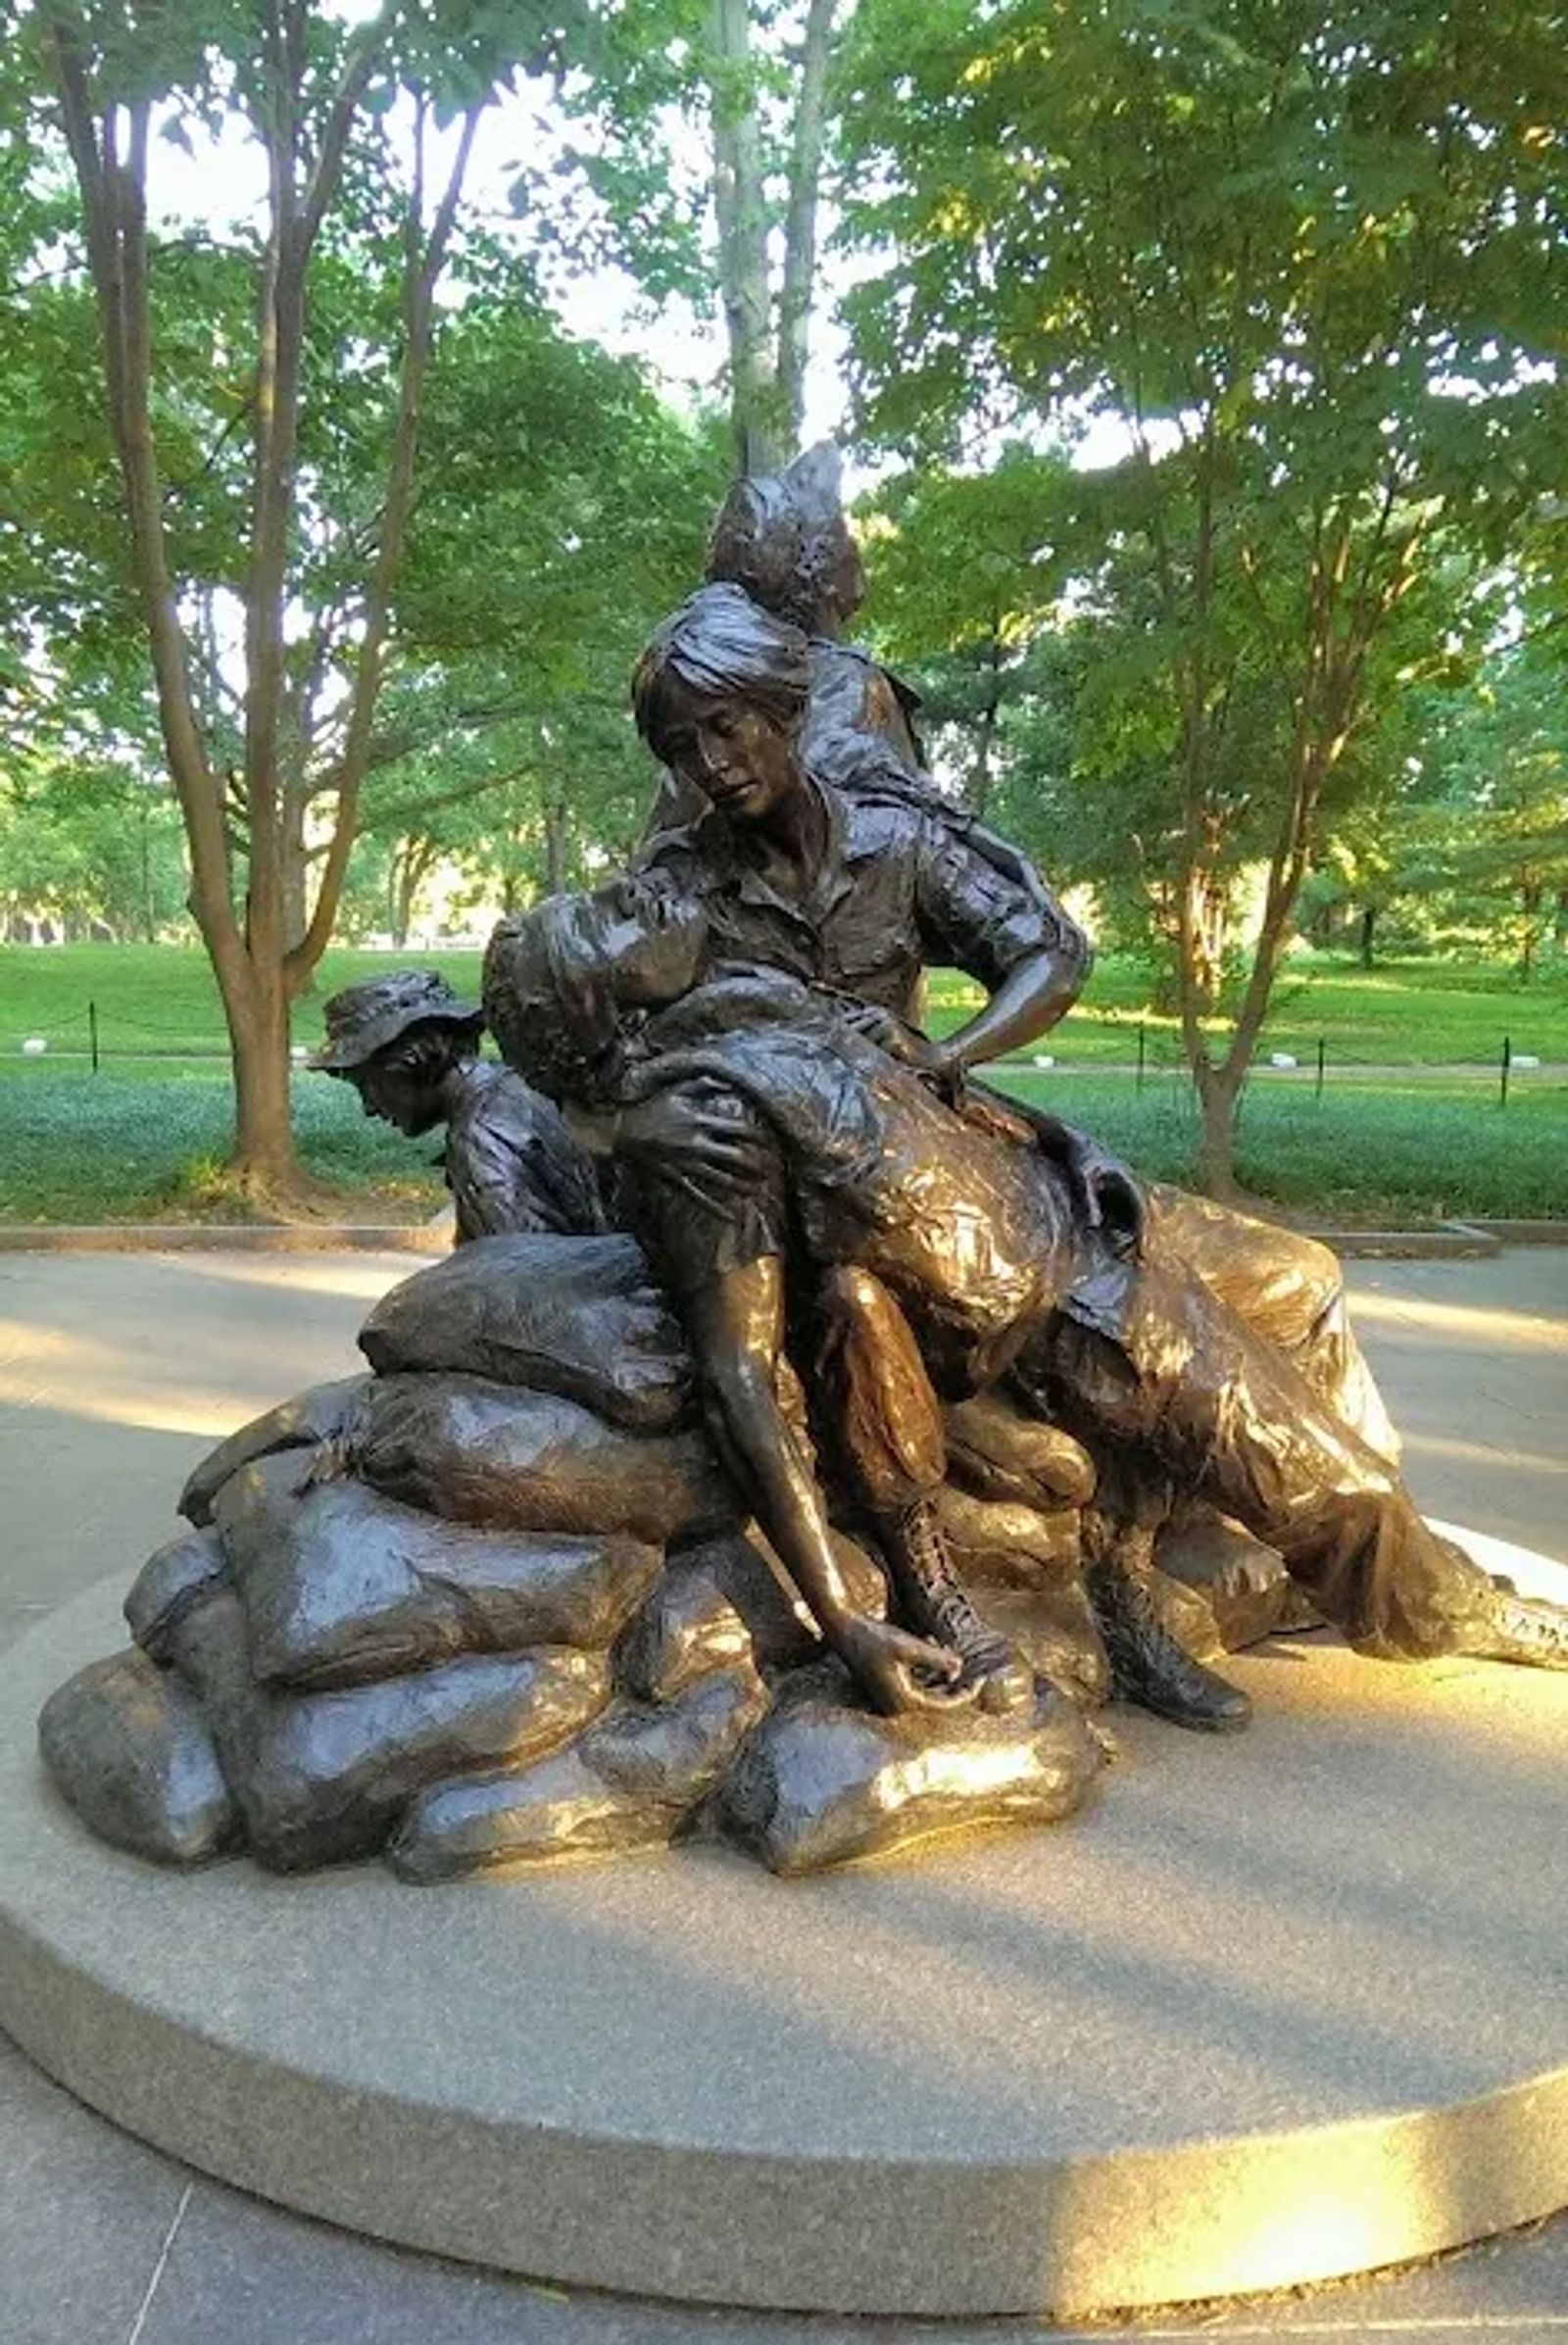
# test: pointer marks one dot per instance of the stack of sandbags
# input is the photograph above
(344, 1651)
(1015, 1491)
(693, 1671)
(397, 1579)
(729, 1717)
(492, 1605)
(575, 1316)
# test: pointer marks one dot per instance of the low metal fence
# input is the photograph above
(98, 1034)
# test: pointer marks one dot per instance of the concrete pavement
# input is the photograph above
(115, 1372)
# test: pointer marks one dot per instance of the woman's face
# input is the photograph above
(393, 1093)
(738, 756)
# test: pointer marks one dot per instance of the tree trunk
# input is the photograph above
(264, 1133)
(409, 869)
(1199, 945)
(295, 867)
(740, 207)
(799, 286)
(556, 849)
(1210, 925)
(1369, 915)
(980, 774)
(149, 909)
(1531, 892)
(1220, 1092)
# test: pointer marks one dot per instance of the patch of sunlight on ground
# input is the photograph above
(86, 1376)
(362, 1278)
(1496, 1329)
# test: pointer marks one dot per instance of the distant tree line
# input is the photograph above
(1210, 351)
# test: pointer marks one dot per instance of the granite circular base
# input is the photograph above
(1271, 2009)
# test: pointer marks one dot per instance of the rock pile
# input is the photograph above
(494, 1605)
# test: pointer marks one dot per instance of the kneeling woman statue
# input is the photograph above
(798, 1161)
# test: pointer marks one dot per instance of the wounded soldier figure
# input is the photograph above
(800, 1159)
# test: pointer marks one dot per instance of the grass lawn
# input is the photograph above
(144, 1137)
(148, 1145)
(159, 1001)
(1373, 1155)
(1406, 1013)
(155, 1000)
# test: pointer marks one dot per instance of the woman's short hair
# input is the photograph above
(720, 644)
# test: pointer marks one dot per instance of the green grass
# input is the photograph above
(148, 1145)
(155, 1000)
(1368, 1154)
(159, 1001)
(1404, 1014)
(146, 1136)
(120, 1146)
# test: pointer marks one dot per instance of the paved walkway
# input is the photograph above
(114, 1373)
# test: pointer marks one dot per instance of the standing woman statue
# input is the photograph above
(783, 540)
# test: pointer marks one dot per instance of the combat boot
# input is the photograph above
(935, 1603)
(1148, 1666)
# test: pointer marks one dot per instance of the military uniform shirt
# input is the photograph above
(511, 1164)
(905, 883)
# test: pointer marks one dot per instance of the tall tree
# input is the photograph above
(1305, 254)
(768, 97)
(342, 196)
(753, 81)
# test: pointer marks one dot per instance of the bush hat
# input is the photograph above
(363, 1018)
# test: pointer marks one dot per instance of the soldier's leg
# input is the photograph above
(1288, 1288)
(1231, 1418)
(886, 1431)
(1148, 1663)
(717, 1242)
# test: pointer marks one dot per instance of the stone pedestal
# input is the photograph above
(1270, 2009)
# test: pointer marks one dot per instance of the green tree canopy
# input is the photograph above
(228, 533)
(1311, 260)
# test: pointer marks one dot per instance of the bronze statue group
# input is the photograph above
(676, 1499)
(720, 1051)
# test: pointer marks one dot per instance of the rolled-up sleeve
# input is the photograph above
(986, 915)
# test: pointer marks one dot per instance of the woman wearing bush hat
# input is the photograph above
(411, 1048)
